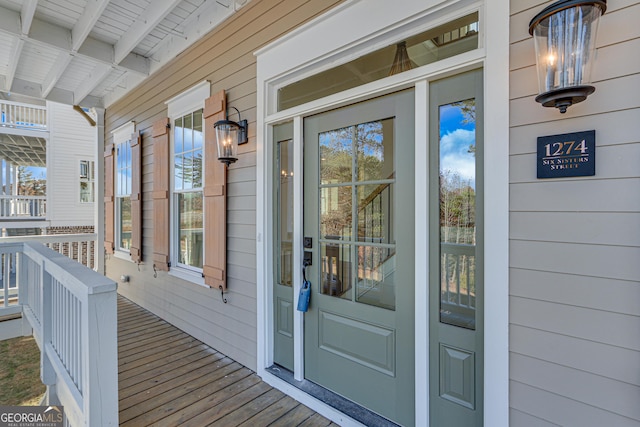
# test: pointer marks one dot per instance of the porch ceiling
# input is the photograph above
(92, 52)
(23, 150)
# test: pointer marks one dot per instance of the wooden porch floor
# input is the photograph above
(168, 378)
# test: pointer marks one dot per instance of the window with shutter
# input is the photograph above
(125, 170)
(136, 197)
(186, 157)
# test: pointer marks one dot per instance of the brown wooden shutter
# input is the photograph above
(160, 194)
(136, 197)
(215, 201)
(108, 200)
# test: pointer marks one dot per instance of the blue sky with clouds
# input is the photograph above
(455, 139)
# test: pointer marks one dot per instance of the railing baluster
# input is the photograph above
(6, 279)
(20, 115)
(458, 279)
(467, 268)
(446, 272)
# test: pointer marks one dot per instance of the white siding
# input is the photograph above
(71, 139)
(575, 242)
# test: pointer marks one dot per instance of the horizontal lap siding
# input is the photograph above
(71, 139)
(225, 57)
(575, 242)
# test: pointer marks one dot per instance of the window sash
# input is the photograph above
(123, 223)
(188, 182)
(188, 151)
(124, 169)
(189, 229)
(87, 181)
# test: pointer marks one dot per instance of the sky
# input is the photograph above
(455, 139)
(37, 172)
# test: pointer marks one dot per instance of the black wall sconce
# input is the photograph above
(229, 135)
(564, 35)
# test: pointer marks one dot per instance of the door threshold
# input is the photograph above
(346, 406)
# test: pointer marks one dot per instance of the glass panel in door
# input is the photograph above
(283, 245)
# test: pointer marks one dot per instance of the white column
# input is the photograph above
(7, 178)
(98, 218)
(15, 180)
(2, 164)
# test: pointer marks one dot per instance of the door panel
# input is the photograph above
(456, 256)
(358, 201)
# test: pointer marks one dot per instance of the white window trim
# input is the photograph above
(189, 100)
(89, 180)
(123, 133)
(318, 49)
(184, 103)
(120, 135)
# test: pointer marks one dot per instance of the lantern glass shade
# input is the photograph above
(564, 36)
(227, 135)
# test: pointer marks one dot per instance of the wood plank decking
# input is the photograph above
(168, 378)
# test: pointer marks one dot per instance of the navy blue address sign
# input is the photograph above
(566, 155)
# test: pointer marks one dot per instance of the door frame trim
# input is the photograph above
(275, 68)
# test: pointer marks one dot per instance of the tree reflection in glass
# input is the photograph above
(457, 173)
(356, 212)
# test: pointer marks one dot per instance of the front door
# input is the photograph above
(359, 214)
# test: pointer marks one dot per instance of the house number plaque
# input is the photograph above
(567, 155)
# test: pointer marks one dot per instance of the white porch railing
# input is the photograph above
(72, 311)
(23, 207)
(23, 116)
(79, 247)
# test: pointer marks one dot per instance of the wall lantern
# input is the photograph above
(564, 35)
(229, 135)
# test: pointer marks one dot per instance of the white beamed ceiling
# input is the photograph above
(92, 52)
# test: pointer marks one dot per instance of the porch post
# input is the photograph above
(47, 372)
(15, 180)
(7, 178)
(98, 215)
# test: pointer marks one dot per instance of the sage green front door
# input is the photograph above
(359, 212)
(456, 251)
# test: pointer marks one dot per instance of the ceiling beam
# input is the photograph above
(26, 18)
(55, 73)
(92, 12)
(27, 13)
(16, 51)
(98, 74)
(146, 22)
(207, 16)
(79, 34)
(23, 151)
(51, 36)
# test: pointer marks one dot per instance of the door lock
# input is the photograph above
(308, 258)
(307, 242)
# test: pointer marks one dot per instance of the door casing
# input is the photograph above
(276, 67)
